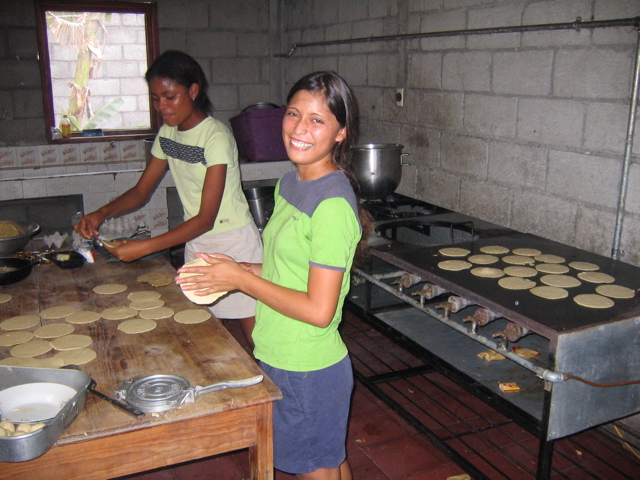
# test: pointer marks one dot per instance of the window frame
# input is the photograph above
(150, 11)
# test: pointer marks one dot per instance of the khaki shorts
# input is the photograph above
(243, 245)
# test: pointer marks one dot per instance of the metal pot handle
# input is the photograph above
(402, 155)
(191, 394)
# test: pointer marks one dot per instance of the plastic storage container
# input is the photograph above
(258, 132)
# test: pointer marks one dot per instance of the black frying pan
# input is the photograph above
(13, 270)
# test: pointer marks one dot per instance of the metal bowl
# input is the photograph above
(11, 245)
(378, 168)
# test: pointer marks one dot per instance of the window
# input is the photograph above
(93, 56)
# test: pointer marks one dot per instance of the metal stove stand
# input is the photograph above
(487, 442)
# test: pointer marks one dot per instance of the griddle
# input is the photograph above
(546, 317)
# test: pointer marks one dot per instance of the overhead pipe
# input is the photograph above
(577, 26)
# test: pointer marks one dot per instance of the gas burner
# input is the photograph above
(424, 231)
(399, 206)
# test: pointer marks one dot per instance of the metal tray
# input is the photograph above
(33, 445)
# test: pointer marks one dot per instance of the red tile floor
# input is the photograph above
(383, 446)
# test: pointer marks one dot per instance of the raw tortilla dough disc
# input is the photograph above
(54, 330)
(552, 268)
(78, 356)
(549, 293)
(146, 304)
(516, 283)
(518, 260)
(585, 266)
(71, 342)
(562, 281)
(20, 322)
(483, 259)
(548, 258)
(521, 271)
(150, 277)
(527, 252)
(454, 265)
(83, 317)
(4, 297)
(31, 349)
(50, 362)
(454, 252)
(592, 300)
(60, 311)
(162, 282)
(204, 299)
(596, 277)
(487, 272)
(15, 338)
(192, 316)
(157, 313)
(119, 313)
(109, 288)
(494, 249)
(155, 279)
(143, 295)
(615, 291)
(137, 325)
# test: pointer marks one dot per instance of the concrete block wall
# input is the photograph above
(231, 40)
(526, 130)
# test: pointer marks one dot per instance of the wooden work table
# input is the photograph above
(104, 442)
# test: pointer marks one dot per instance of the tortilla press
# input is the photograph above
(160, 393)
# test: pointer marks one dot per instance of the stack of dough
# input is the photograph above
(190, 294)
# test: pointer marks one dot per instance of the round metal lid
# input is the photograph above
(156, 393)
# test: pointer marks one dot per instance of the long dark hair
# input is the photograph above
(342, 103)
(184, 70)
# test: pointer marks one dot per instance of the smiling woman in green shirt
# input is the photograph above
(310, 244)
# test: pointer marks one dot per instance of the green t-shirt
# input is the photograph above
(189, 154)
(314, 223)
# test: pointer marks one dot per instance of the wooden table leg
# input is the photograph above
(261, 455)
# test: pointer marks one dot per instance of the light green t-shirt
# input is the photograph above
(189, 154)
(314, 223)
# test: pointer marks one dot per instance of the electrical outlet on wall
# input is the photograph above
(400, 97)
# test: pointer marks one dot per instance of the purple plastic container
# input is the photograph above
(258, 132)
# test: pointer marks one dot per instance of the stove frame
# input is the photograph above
(549, 405)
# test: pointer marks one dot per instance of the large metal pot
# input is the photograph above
(378, 167)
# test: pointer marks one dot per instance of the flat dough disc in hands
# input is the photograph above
(199, 299)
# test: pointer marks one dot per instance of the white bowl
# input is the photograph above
(34, 402)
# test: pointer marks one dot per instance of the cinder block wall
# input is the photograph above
(231, 40)
(526, 130)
